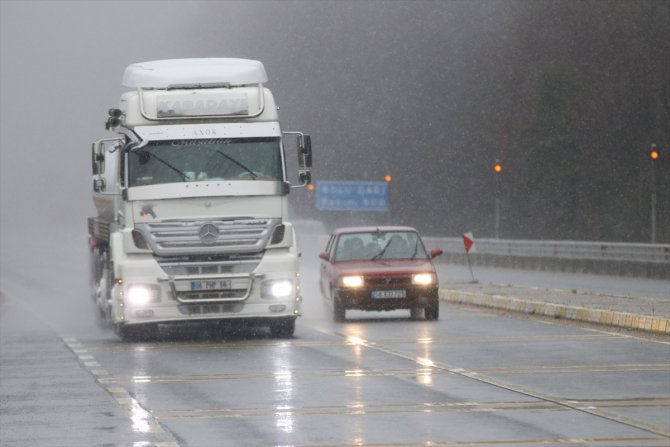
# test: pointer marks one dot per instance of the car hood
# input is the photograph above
(385, 266)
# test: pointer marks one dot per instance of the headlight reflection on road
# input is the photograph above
(425, 375)
(140, 417)
(425, 362)
(284, 391)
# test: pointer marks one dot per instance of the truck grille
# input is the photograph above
(200, 237)
(194, 266)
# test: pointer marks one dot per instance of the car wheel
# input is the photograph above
(415, 313)
(282, 327)
(339, 312)
(432, 312)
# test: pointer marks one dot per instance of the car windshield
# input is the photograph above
(379, 245)
(202, 160)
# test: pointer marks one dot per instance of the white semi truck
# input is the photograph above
(191, 195)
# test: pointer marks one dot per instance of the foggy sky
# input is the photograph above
(411, 88)
(62, 61)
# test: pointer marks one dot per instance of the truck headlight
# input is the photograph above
(277, 288)
(140, 294)
(352, 281)
(423, 279)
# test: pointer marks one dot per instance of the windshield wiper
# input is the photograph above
(381, 253)
(253, 175)
(416, 247)
(145, 156)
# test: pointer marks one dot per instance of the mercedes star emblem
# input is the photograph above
(208, 233)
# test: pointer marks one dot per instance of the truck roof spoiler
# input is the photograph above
(206, 72)
(197, 73)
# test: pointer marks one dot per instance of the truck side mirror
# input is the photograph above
(305, 151)
(97, 158)
(99, 184)
(305, 177)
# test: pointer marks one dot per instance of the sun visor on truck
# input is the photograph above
(208, 131)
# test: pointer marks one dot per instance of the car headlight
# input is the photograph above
(423, 279)
(140, 295)
(277, 288)
(352, 281)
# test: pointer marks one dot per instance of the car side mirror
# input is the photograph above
(435, 252)
(325, 256)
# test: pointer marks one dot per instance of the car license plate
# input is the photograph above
(220, 284)
(388, 294)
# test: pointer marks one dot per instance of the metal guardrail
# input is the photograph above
(568, 250)
(608, 258)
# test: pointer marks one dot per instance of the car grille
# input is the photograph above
(403, 281)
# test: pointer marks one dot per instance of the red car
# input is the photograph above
(379, 268)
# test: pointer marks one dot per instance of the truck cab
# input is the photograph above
(192, 200)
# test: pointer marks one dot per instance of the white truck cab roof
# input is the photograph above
(174, 73)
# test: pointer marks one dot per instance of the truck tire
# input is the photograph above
(104, 317)
(282, 327)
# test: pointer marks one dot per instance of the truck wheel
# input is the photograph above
(282, 327)
(104, 317)
(432, 312)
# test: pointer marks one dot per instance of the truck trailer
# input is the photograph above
(191, 194)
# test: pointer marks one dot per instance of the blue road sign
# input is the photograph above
(336, 195)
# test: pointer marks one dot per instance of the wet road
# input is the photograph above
(473, 378)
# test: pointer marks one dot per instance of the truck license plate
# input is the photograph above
(388, 294)
(220, 284)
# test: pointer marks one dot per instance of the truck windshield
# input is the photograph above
(176, 161)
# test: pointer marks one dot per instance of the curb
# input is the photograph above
(659, 325)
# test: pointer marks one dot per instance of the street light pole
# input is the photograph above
(497, 169)
(653, 155)
(497, 215)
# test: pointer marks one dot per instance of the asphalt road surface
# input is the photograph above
(473, 378)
